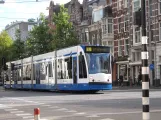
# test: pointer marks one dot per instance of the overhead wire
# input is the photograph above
(36, 1)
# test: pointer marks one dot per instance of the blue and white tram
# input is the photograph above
(78, 68)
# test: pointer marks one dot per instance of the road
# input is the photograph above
(108, 105)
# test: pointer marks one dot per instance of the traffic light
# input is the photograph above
(4, 66)
(3, 61)
(137, 17)
(12, 66)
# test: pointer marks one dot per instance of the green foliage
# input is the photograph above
(39, 40)
(18, 47)
(31, 20)
(5, 45)
(64, 35)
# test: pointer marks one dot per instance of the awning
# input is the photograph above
(135, 63)
(122, 62)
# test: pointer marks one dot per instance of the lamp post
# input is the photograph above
(87, 35)
(145, 68)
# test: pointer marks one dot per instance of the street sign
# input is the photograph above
(151, 66)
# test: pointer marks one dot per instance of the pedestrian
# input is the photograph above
(121, 79)
(139, 78)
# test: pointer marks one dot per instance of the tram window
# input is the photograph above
(82, 67)
(68, 61)
(42, 71)
(50, 69)
(34, 71)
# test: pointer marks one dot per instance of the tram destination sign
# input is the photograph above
(97, 49)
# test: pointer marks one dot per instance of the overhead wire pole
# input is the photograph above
(145, 69)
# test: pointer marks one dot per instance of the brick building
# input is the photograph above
(127, 38)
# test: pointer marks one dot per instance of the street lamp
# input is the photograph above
(2, 2)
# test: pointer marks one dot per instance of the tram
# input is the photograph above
(76, 68)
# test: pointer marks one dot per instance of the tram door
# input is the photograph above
(37, 75)
(75, 70)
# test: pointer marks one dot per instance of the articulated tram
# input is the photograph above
(77, 68)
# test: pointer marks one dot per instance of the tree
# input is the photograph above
(31, 20)
(5, 45)
(18, 47)
(64, 34)
(39, 40)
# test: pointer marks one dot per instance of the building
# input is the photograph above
(127, 39)
(154, 34)
(24, 28)
(74, 9)
(123, 37)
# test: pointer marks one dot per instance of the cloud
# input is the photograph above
(1, 11)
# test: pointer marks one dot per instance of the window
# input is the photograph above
(126, 46)
(82, 67)
(68, 68)
(133, 57)
(104, 26)
(136, 5)
(107, 26)
(137, 35)
(159, 7)
(30, 27)
(97, 15)
(104, 42)
(120, 48)
(50, 69)
(138, 56)
(119, 24)
(150, 7)
(159, 31)
(152, 54)
(110, 25)
(125, 3)
(126, 22)
(159, 58)
(119, 4)
(98, 63)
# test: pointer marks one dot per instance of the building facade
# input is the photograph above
(127, 39)
(154, 33)
(24, 28)
(123, 36)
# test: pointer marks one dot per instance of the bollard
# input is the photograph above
(36, 114)
(145, 68)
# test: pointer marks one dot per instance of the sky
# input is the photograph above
(22, 10)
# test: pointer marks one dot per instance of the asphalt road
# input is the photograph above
(108, 105)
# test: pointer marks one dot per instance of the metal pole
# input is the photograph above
(145, 69)
(56, 69)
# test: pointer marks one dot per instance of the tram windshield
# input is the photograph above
(98, 63)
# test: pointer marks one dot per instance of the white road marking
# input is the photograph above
(62, 109)
(10, 109)
(23, 114)
(107, 119)
(81, 113)
(71, 111)
(121, 113)
(46, 105)
(28, 117)
(54, 107)
(17, 112)
(93, 116)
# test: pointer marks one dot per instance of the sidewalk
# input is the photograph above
(133, 87)
(1, 88)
